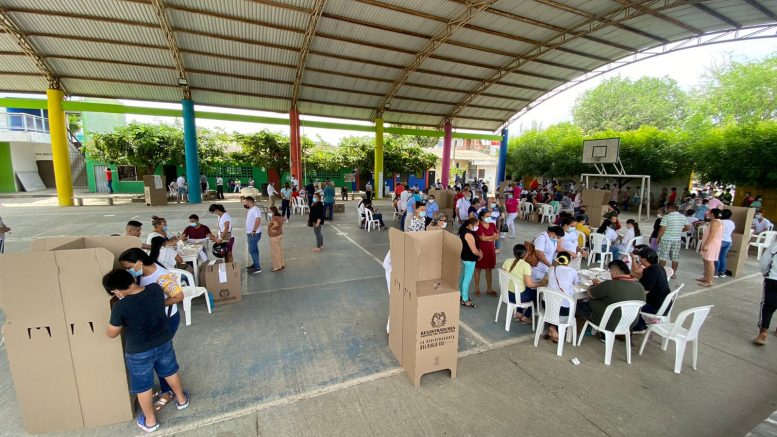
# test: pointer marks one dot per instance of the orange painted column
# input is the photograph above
(295, 167)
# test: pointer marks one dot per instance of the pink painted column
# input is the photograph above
(446, 154)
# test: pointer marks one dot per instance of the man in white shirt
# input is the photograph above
(760, 223)
(181, 184)
(271, 193)
(402, 206)
(462, 206)
(253, 233)
(294, 183)
(286, 201)
(219, 187)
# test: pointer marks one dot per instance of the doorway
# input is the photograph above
(46, 172)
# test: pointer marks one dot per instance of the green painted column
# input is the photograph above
(7, 179)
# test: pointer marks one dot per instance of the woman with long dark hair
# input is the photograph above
(487, 234)
(526, 288)
(224, 234)
(470, 254)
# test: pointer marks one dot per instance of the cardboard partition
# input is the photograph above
(595, 197)
(113, 244)
(595, 214)
(431, 338)
(155, 190)
(740, 238)
(448, 213)
(396, 297)
(222, 280)
(742, 218)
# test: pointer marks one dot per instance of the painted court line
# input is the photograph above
(344, 235)
(474, 333)
(715, 287)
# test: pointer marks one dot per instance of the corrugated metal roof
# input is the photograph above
(244, 54)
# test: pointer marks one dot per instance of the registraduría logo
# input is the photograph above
(439, 320)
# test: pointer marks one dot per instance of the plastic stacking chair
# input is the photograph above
(190, 292)
(699, 236)
(763, 241)
(369, 221)
(526, 209)
(505, 279)
(629, 312)
(600, 245)
(547, 214)
(680, 335)
(302, 206)
(551, 314)
(664, 313)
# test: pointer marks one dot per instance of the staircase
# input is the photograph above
(77, 162)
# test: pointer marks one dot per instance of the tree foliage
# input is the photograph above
(267, 149)
(624, 104)
(143, 145)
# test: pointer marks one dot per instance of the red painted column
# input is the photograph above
(295, 166)
(446, 154)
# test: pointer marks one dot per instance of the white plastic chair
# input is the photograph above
(369, 221)
(629, 313)
(680, 335)
(302, 206)
(526, 209)
(664, 313)
(600, 245)
(505, 279)
(551, 314)
(669, 271)
(699, 236)
(190, 292)
(547, 213)
(763, 241)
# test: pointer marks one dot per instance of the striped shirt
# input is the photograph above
(673, 224)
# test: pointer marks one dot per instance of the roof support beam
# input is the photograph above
(315, 14)
(661, 16)
(712, 12)
(10, 26)
(624, 13)
(763, 9)
(167, 29)
(469, 12)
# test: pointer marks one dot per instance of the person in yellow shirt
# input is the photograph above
(524, 285)
(582, 229)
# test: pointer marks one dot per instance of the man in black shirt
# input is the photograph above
(140, 313)
(652, 276)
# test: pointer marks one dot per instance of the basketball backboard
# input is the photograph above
(603, 151)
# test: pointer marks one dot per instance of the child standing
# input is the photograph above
(140, 313)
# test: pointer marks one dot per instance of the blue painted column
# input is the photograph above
(190, 150)
(502, 166)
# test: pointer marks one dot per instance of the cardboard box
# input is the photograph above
(595, 214)
(595, 197)
(155, 190)
(68, 374)
(740, 238)
(222, 280)
(425, 272)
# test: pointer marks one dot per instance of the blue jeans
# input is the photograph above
(720, 264)
(467, 269)
(253, 248)
(173, 321)
(141, 366)
(329, 209)
(110, 187)
(529, 294)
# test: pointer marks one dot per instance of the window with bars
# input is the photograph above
(231, 172)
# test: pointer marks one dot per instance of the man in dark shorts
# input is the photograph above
(140, 313)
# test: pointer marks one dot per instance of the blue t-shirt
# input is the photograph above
(432, 209)
(329, 194)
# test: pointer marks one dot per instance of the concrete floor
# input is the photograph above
(305, 352)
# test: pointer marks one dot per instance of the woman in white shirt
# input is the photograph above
(563, 278)
(725, 244)
(168, 253)
(607, 229)
(225, 228)
(632, 232)
(545, 245)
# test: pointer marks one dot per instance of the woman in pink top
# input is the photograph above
(710, 246)
(511, 208)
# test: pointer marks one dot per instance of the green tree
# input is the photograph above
(623, 104)
(325, 157)
(267, 149)
(736, 92)
(144, 145)
(399, 155)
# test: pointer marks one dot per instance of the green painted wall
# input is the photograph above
(7, 179)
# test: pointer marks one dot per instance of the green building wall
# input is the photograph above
(7, 178)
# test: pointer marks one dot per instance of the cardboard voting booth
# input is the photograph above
(67, 373)
(222, 280)
(740, 238)
(155, 189)
(595, 202)
(424, 302)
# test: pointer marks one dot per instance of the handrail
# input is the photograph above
(21, 122)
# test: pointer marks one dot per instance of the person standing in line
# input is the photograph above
(488, 234)
(109, 179)
(329, 200)
(253, 233)
(286, 201)
(309, 190)
(271, 193)
(3, 230)
(470, 254)
(672, 227)
(769, 300)
(203, 183)
(725, 242)
(219, 187)
(139, 313)
(710, 246)
(275, 231)
(238, 186)
(316, 221)
(225, 229)
(511, 208)
(181, 184)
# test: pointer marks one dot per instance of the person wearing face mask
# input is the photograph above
(196, 230)
(470, 254)
(225, 229)
(462, 206)
(432, 209)
(498, 214)
(253, 233)
(316, 221)
(160, 230)
(562, 277)
(570, 243)
(545, 245)
(487, 234)
(440, 223)
(760, 223)
(418, 222)
(511, 208)
(145, 270)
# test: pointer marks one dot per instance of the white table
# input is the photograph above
(190, 252)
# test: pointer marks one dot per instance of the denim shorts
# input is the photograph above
(141, 366)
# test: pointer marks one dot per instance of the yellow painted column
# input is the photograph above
(59, 150)
(378, 177)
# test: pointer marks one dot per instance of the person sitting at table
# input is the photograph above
(652, 277)
(135, 229)
(526, 286)
(160, 230)
(167, 256)
(563, 278)
(612, 211)
(632, 232)
(760, 223)
(607, 228)
(621, 287)
(196, 230)
(571, 241)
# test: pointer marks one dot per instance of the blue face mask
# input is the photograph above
(134, 273)
(164, 228)
(422, 214)
(194, 225)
